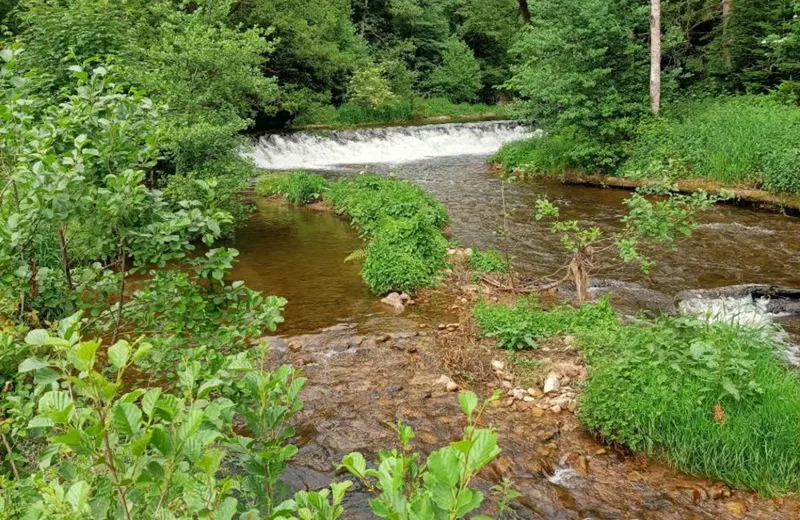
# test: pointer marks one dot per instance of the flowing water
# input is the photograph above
(356, 384)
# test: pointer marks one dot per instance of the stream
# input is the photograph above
(357, 383)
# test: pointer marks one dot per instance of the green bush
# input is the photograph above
(370, 199)
(489, 261)
(712, 398)
(546, 155)
(738, 141)
(523, 324)
(405, 254)
(299, 187)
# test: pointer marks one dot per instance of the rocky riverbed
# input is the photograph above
(361, 377)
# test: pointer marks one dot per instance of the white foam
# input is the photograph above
(319, 150)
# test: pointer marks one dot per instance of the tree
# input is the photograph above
(524, 11)
(655, 56)
(458, 78)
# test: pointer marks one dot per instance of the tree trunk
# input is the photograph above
(580, 275)
(655, 56)
(524, 11)
(727, 9)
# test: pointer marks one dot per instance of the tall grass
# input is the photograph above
(750, 141)
(713, 399)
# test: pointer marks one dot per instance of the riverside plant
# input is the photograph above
(405, 487)
(104, 447)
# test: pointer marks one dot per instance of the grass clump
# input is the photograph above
(404, 227)
(524, 323)
(711, 398)
(300, 187)
(546, 155)
(751, 141)
(489, 261)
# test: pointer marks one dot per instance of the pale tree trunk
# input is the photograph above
(655, 56)
(524, 11)
(727, 9)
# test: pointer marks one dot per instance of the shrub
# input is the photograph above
(712, 398)
(745, 140)
(547, 155)
(299, 187)
(370, 199)
(369, 89)
(488, 262)
(405, 254)
(523, 324)
(458, 78)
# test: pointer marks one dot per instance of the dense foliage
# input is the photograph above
(729, 82)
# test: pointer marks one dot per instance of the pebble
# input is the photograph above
(555, 409)
(442, 326)
(519, 394)
(507, 385)
(451, 386)
(736, 508)
(552, 383)
(294, 346)
(498, 365)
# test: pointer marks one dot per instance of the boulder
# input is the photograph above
(395, 301)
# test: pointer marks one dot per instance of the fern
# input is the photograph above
(358, 255)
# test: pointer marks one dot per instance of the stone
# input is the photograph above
(736, 508)
(451, 386)
(404, 297)
(442, 326)
(519, 394)
(395, 301)
(720, 491)
(528, 399)
(383, 338)
(498, 365)
(552, 383)
(565, 380)
(535, 392)
(507, 385)
(572, 406)
(536, 411)
(443, 380)
(555, 409)
(295, 346)
(453, 326)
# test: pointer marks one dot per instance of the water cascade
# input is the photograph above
(327, 150)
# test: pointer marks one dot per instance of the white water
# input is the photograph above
(320, 150)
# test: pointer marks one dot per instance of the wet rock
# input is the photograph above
(395, 301)
(579, 462)
(552, 383)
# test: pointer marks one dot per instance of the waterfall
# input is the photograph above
(327, 149)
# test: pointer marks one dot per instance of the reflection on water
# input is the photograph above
(298, 253)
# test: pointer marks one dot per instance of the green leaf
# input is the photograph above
(226, 509)
(118, 354)
(37, 337)
(78, 495)
(126, 418)
(355, 464)
(469, 402)
(32, 364)
(54, 401)
(730, 388)
(150, 399)
(82, 356)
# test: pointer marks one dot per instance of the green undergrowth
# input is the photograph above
(296, 187)
(400, 111)
(524, 323)
(737, 141)
(489, 261)
(402, 225)
(712, 399)
(751, 141)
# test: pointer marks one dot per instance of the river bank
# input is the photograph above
(760, 199)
